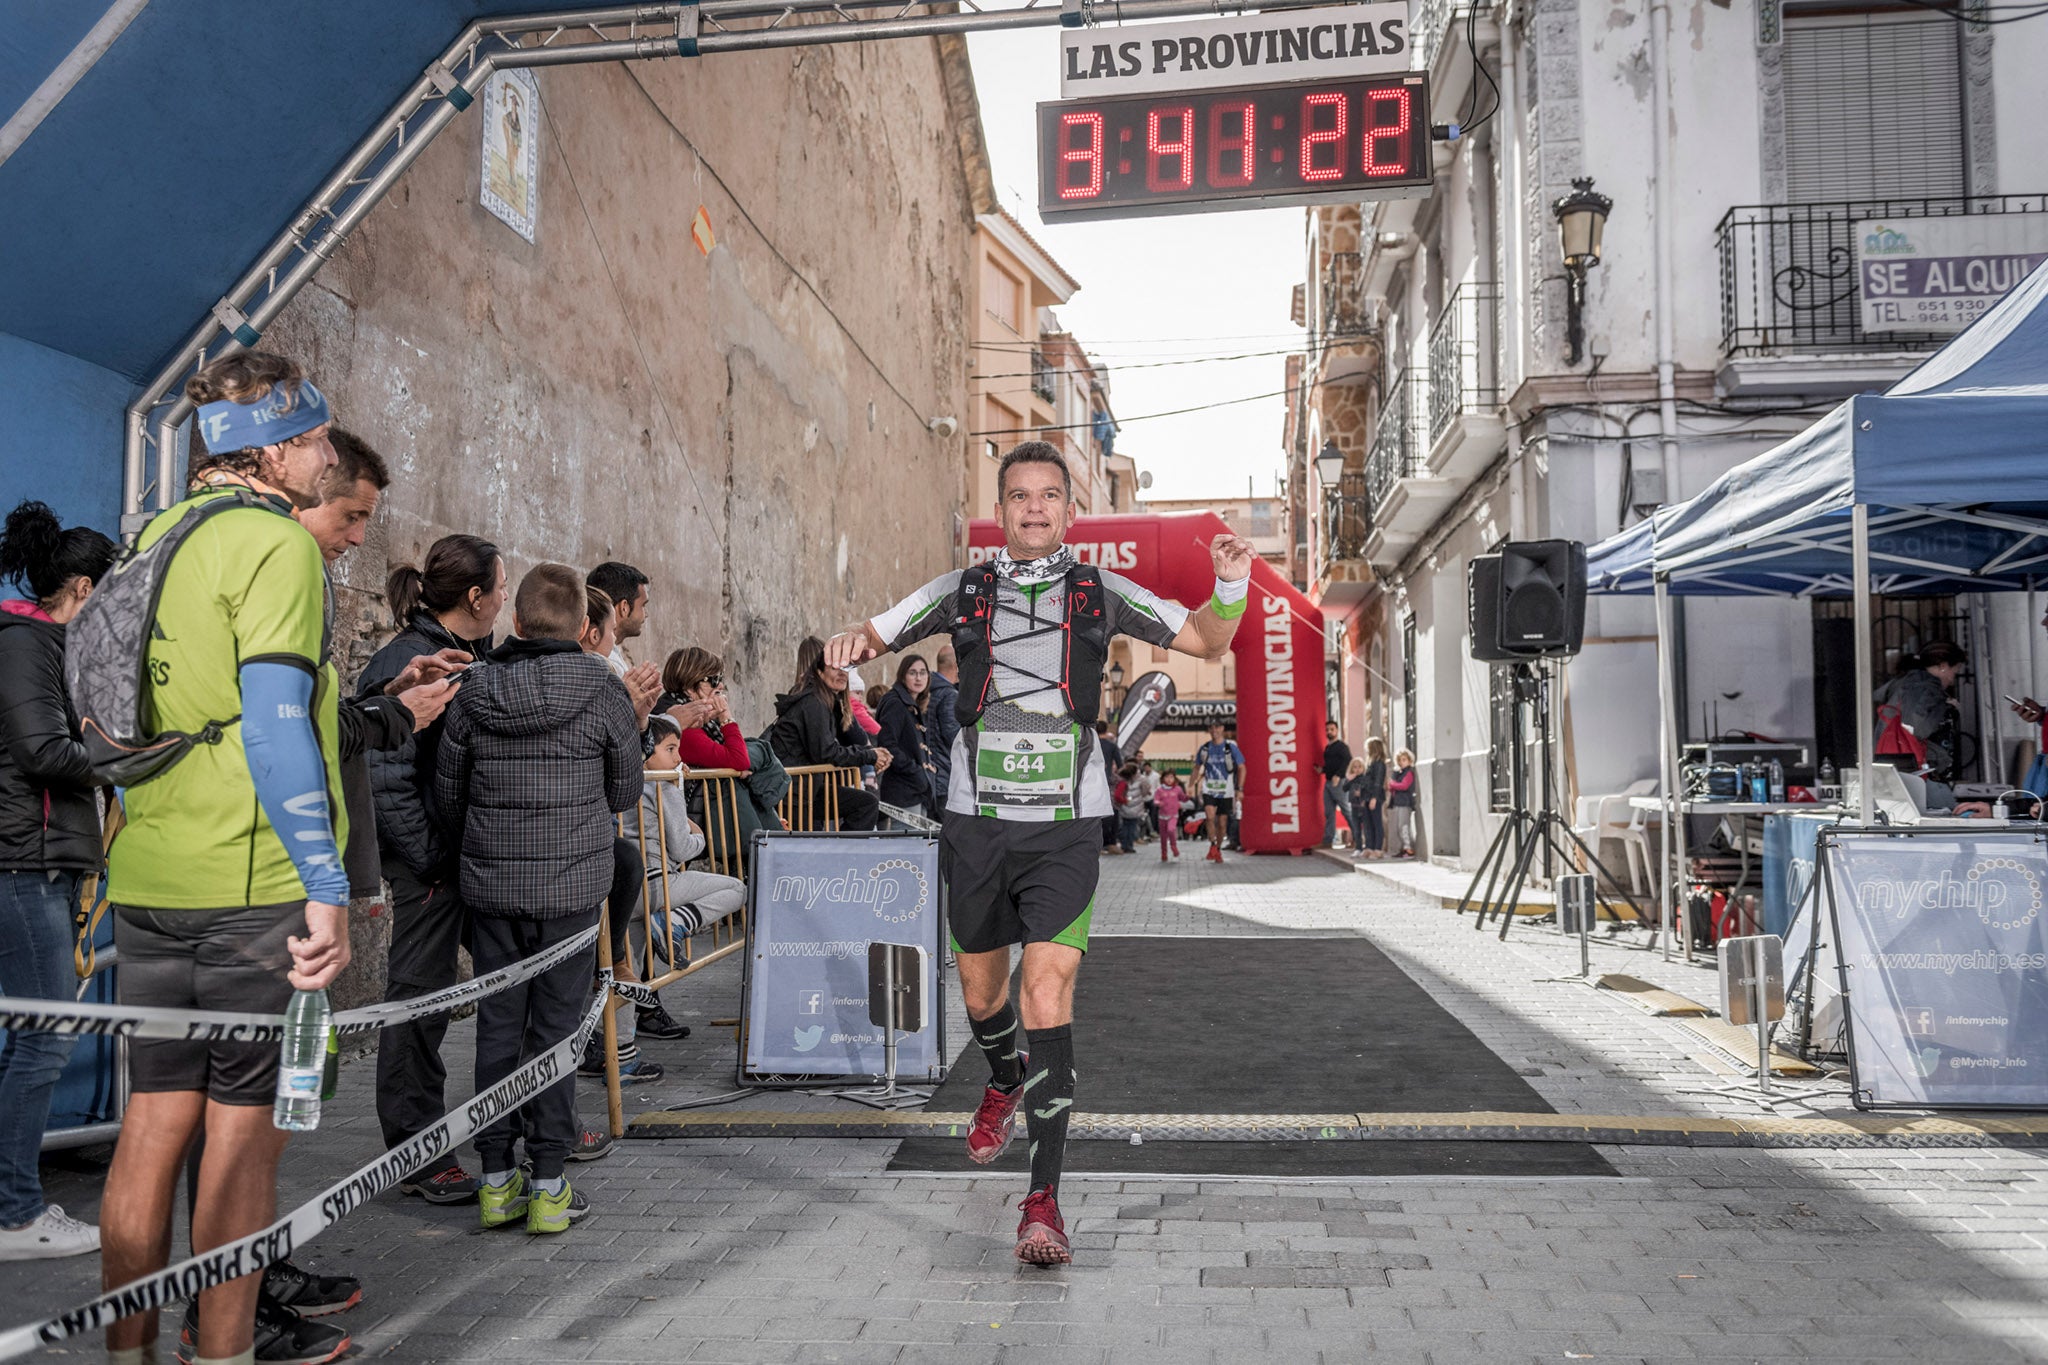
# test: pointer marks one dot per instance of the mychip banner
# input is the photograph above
(819, 900)
(1944, 962)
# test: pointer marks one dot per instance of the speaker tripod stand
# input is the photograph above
(1510, 857)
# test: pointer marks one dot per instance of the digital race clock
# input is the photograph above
(1309, 142)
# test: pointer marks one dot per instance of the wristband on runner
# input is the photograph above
(1229, 598)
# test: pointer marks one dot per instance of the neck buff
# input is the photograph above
(288, 410)
(1054, 565)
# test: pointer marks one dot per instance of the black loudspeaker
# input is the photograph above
(1527, 600)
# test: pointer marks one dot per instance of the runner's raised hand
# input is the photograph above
(1232, 555)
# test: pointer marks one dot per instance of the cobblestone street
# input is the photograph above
(736, 1250)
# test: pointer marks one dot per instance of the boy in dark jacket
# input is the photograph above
(541, 750)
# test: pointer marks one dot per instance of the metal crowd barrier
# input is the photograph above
(725, 855)
(806, 786)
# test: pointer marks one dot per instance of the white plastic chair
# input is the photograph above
(1612, 817)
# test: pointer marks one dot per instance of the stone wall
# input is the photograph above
(749, 426)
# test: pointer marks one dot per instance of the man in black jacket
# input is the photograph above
(539, 753)
(1336, 759)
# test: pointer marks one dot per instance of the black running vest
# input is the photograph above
(1086, 643)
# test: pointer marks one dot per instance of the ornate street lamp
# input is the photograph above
(1581, 221)
(1329, 463)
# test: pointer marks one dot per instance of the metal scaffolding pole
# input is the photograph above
(450, 84)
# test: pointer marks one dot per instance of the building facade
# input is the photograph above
(1489, 403)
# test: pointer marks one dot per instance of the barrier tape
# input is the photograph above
(213, 1026)
(635, 993)
(278, 1241)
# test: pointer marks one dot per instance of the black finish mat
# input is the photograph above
(1267, 1026)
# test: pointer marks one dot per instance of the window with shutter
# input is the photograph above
(1873, 106)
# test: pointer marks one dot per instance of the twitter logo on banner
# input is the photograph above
(809, 1038)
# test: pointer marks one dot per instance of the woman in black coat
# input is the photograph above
(814, 726)
(451, 602)
(908, 782)
(49, 840)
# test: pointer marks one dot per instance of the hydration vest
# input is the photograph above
(1085, 643)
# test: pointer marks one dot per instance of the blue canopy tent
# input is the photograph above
(1939, 484)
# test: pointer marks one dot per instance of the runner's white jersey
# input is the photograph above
(1019, 697)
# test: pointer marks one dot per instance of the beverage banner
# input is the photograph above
(819, 900)
(1944, 964)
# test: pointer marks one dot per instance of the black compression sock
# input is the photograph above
(1000, 1041)
(1048, 1102)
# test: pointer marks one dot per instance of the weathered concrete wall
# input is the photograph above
(758, 446)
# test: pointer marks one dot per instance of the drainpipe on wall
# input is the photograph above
(1661, 237)
(1509, 139)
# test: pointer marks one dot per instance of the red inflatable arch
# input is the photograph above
(1279, 652)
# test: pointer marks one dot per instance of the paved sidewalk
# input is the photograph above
(732, 1250)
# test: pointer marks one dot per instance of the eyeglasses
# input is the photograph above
(715, 683)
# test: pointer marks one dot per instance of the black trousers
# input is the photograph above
(428, 924)
(859, 808)
(629, 883)
(523, 1021)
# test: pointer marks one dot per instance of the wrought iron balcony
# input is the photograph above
(1788, 272)
(1398, 443)
(1464, 356)
(1347, 521)
(1041, 376)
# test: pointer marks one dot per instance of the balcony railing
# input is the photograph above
(1041, 376)
(1788, 272)
(1434, 19)
(1397, 443)
(1464, 355)
(1347, 521)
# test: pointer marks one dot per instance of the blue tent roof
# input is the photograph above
(183, 151)
(1952, 461)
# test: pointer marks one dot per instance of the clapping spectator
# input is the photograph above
(694, 696)
(908, 783)
(49, 841)
(814, 727)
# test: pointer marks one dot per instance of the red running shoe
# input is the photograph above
(1042, 1234)
(993, 1128)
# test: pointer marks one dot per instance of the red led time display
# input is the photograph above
(1309, 142)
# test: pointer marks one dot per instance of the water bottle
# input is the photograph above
(1827, 772)
(1759, 784)
(302, 1062)
(1777, 782)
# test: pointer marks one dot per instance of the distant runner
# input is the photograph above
(1219, 777)
(1027, 795)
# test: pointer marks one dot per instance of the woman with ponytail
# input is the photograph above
(451, 602)
(49, 840)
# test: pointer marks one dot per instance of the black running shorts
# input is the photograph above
(1019, 881)
(233, 960)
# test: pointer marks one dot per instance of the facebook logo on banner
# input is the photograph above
(1946, 953)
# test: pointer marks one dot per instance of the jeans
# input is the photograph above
(1127, 833)
(519, 1023)
(35, 963)
(1333, 801)
(1368, 826)
(428, 923)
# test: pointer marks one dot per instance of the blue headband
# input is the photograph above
(286, 411)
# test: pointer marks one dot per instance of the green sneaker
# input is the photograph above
(554, 1212)
(498, 1205)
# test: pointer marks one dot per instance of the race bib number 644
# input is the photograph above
(1022, 770)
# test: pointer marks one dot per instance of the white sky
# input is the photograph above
(1153, 289)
